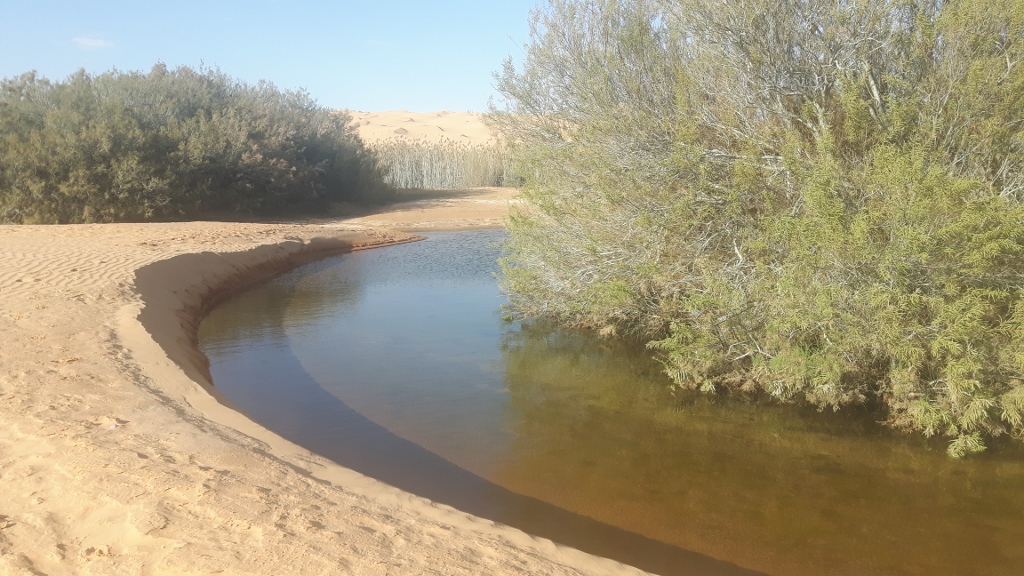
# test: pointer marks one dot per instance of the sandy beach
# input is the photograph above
(117, 454)
(117, 457)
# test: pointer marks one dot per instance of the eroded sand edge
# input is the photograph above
(115, 458)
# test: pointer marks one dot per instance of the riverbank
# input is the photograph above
(437, 210)
(117, 457)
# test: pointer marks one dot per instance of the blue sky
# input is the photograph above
(372, 55)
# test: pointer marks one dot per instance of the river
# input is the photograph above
(397, 362)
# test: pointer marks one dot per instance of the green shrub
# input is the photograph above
(817, 200)
(171, 144)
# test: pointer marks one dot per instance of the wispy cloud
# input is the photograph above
(92, 43)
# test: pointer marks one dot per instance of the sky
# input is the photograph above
(370, 55)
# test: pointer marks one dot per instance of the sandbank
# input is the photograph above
(118, 457)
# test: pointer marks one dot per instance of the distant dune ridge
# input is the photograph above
(467, 127)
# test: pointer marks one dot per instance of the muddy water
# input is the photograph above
(396, 362)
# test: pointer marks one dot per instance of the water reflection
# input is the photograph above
(419, 354)
(396, 362)
(786, 490)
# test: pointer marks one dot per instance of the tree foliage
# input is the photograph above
(819, 200)
(171, 144)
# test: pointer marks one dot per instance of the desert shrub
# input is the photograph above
(820, 201)
(171, 144)
(443, 164)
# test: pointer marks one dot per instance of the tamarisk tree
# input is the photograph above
(812, 199)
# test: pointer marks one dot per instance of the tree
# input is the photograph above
(819, 200)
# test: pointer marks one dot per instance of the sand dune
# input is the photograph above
(117, 458)
(465, 127)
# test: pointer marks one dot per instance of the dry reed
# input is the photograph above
(444, 164)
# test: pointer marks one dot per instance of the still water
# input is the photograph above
(396, 362)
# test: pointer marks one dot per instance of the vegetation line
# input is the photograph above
(444, 164)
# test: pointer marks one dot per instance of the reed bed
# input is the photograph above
(444, 164)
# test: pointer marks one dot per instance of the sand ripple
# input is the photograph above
(115, 459)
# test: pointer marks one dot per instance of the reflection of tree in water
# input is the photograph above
(325, 287)
(296, 298)
(335, 285)
(599, 432)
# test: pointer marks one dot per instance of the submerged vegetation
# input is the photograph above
(444, 164)
(817, 200)
(172, 144)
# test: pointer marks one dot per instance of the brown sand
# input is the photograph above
(465, 127)
(444, 210)
(116, 458)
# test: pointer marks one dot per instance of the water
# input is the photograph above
(397, 363)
